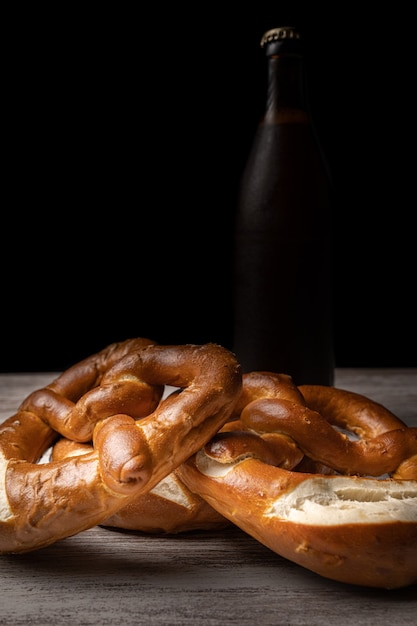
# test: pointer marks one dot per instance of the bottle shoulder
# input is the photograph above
(285, 157)
(286, 115)
(285, 187)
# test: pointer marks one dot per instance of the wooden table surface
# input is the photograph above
(104, 576)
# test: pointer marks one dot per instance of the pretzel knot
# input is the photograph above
(324, 477)
(113, 399)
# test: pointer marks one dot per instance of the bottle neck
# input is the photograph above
(286, 95)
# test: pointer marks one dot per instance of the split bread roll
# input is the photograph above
(353, 530)
(337, 512)
(112, 399)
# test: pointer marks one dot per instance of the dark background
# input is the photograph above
(126, 134)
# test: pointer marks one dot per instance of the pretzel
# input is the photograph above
(338, 510)
(113, 399)
(170, 507)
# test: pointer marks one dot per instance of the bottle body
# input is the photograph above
(283, 252)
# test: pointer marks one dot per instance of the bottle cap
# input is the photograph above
(282, 39)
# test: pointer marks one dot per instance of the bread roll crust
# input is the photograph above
(372, 551)
(351, 516)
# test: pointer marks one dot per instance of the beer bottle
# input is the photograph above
(283, 231)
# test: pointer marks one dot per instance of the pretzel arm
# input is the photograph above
(25, 436)
(45, 503)
(350, 410)
(76, 420)
(320, 441)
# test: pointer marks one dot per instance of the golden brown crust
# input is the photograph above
(256, 385)
(114, 399)
(354, 529)
(316, 437)
(373, 552)
(265, 455)
(175, 508)
(350, 410)
(93, 389)
(170, 507)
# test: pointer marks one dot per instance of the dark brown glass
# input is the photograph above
(283, 245)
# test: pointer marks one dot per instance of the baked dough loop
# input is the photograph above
(114, 400)
(323, 477)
